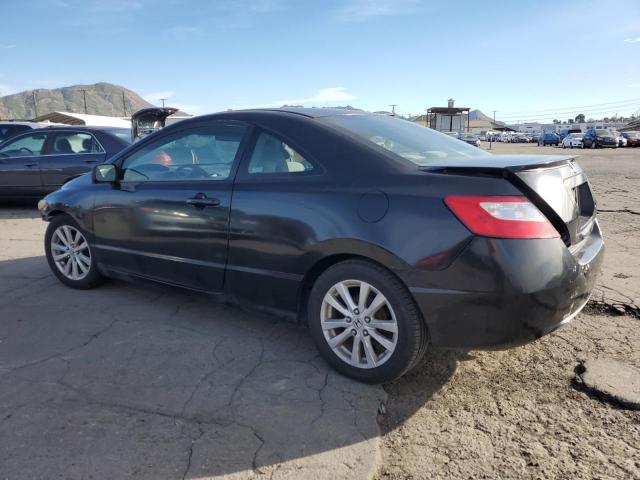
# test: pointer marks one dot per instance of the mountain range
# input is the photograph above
(101, 99)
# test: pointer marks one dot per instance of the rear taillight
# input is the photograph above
(501, 217)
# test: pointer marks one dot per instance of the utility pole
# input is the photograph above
(35, 103)
(393, 108)
(491, 136)
(124, 106)
(84, 96)
(162, 100)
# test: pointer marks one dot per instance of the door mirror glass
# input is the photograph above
(106, 173)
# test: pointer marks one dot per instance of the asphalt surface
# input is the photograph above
(142, 381)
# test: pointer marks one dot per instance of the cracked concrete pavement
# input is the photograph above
(141, 381)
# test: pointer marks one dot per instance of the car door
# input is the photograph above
(68, 154)
(19, 163)
(167, 218)
(275, 193)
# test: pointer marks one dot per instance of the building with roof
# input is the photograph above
(70, 118)
(449, 118)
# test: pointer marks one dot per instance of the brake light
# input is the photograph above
(501, 217)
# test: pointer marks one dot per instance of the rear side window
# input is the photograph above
(24, 146)
(74, 143)
(272, 155)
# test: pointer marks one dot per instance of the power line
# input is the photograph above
(586, 113)
(551, 111)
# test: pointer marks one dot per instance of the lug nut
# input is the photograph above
(365, 333)
(354, 332)
(348, 319)
(356, 311)
(367, 319)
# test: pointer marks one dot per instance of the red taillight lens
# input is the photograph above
(501, 217)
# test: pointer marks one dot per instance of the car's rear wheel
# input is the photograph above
(70, 255)
(365, 322)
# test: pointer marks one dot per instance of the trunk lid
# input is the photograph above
(556, 184)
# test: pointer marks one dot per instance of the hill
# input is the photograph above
(102, 99)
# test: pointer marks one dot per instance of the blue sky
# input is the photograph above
(533, 60)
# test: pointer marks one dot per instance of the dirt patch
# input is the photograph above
(515, 414)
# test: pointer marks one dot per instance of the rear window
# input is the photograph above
(419, 145)
(7, 131)
(603, 133)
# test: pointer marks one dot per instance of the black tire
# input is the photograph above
(412, 338)
(93, 278)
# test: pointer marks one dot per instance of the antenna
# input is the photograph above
(393, 108)
(124, 105)
(162, 100)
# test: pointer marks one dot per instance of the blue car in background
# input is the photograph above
(549, 138)
(39, 161)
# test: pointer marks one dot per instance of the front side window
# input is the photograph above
(420, 145)
(75, 142)
(205, 153)
(272, 155)
(26, 146)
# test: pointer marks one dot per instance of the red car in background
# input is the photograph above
(633, 138)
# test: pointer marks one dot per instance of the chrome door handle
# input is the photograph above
(201, 201)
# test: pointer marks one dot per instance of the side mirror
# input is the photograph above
(106, 173)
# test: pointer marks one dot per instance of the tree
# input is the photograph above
(580, 118)
(555, 120)
(570, 120)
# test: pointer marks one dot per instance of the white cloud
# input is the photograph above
(634, 85)
(323, 96)
(7, 47)
(362, 10)
(632, 40)
(154, 97)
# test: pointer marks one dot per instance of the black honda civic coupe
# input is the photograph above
(383, 236)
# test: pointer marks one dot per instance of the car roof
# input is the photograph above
(285, 111)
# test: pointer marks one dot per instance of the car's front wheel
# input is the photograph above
(70, 255)
(365, 322)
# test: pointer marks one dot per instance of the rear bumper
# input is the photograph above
(523, 290)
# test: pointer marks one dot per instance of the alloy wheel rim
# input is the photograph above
(359, 324)
(70, 252)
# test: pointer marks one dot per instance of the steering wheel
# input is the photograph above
(191, 171)
(26, 150)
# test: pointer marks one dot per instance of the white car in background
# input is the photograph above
(572, 140)
(622, 141)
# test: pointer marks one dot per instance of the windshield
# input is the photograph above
(576, 135)
(468, 136)
(419, 145)
(603, 133)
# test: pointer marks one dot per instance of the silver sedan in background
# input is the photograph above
(572, 140)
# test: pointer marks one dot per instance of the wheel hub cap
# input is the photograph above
(70, 252)
(359, 324)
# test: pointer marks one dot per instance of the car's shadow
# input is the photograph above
(138, 380)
